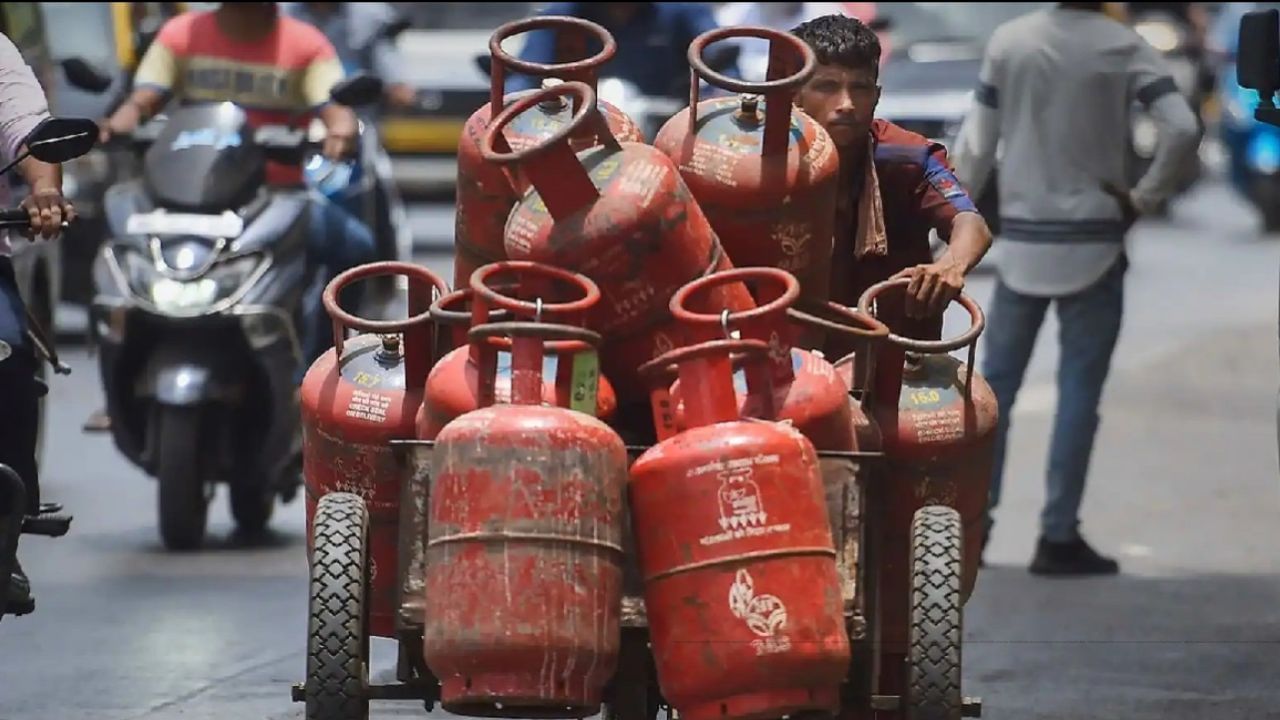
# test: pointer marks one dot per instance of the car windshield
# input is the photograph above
(971, 23)
(463, 16)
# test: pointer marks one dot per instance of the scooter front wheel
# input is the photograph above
(183, 503)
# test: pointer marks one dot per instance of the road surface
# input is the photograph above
(1184, 488)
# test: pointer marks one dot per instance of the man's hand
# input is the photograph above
(122, 122)
(933, 286)
(1128, 209)
(48, 210)
(341, 130)
(339, 145)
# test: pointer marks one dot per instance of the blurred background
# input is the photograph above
(931, 60)
(1185, 488)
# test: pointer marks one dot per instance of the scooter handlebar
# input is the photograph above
(17, 218)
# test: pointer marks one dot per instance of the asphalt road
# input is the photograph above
(1184, 489)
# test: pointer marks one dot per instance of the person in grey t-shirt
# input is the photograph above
(1056, 91)
(22, 108)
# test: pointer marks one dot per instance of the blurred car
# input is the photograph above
(439, 49)
(932, 69)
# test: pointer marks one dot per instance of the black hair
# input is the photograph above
(841, 40)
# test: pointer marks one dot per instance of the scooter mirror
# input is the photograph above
(359, 89)
(84, 76)
(1258, 64)
(59, 139)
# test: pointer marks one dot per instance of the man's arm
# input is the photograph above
(153, 83)
(387, 63)
(975, 147)
(1179, 135)
(949, 209)
(340, 122)
(375, 19)
(22, 108)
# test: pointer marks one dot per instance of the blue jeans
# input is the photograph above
(19, 392)
(337, 241)
(1089, 324)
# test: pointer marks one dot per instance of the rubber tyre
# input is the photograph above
(184, 506)
(252, 506)
(936, 631)
(338, 628)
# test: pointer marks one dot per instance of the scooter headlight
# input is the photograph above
(191, 296)
(222, 281)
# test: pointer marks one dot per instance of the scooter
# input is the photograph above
(1253, 149)
(198, 310)
(56, 140)
(364, 186)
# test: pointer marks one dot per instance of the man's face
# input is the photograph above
(843, 101)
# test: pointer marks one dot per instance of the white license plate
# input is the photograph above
(226, 225)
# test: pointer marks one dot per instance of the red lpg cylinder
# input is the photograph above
(621, 215)
(795, 385)
(764, 173)
(938, 419)
(356, 398)
(735, 548)
(485, 192)
(453, 385)
(524, 546)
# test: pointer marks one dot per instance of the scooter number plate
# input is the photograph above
(226, 225)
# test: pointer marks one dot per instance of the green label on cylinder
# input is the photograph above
(586, 382)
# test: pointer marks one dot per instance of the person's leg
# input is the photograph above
(1013, 323)
(1089, 327)
(337, 241)
(20, 420)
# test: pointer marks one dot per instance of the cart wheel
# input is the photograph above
(338, 629)
(933, 653)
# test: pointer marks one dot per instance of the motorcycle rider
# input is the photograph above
(652, 39)
(359, 34)
(895, 186)
(22, 108)
(280, 70)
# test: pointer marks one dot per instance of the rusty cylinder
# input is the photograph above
(524, 557)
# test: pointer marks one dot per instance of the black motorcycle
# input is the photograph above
(198, 309)
(56, 140)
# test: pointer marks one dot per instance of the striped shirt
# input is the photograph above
(281, 79)
(1056, 91)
